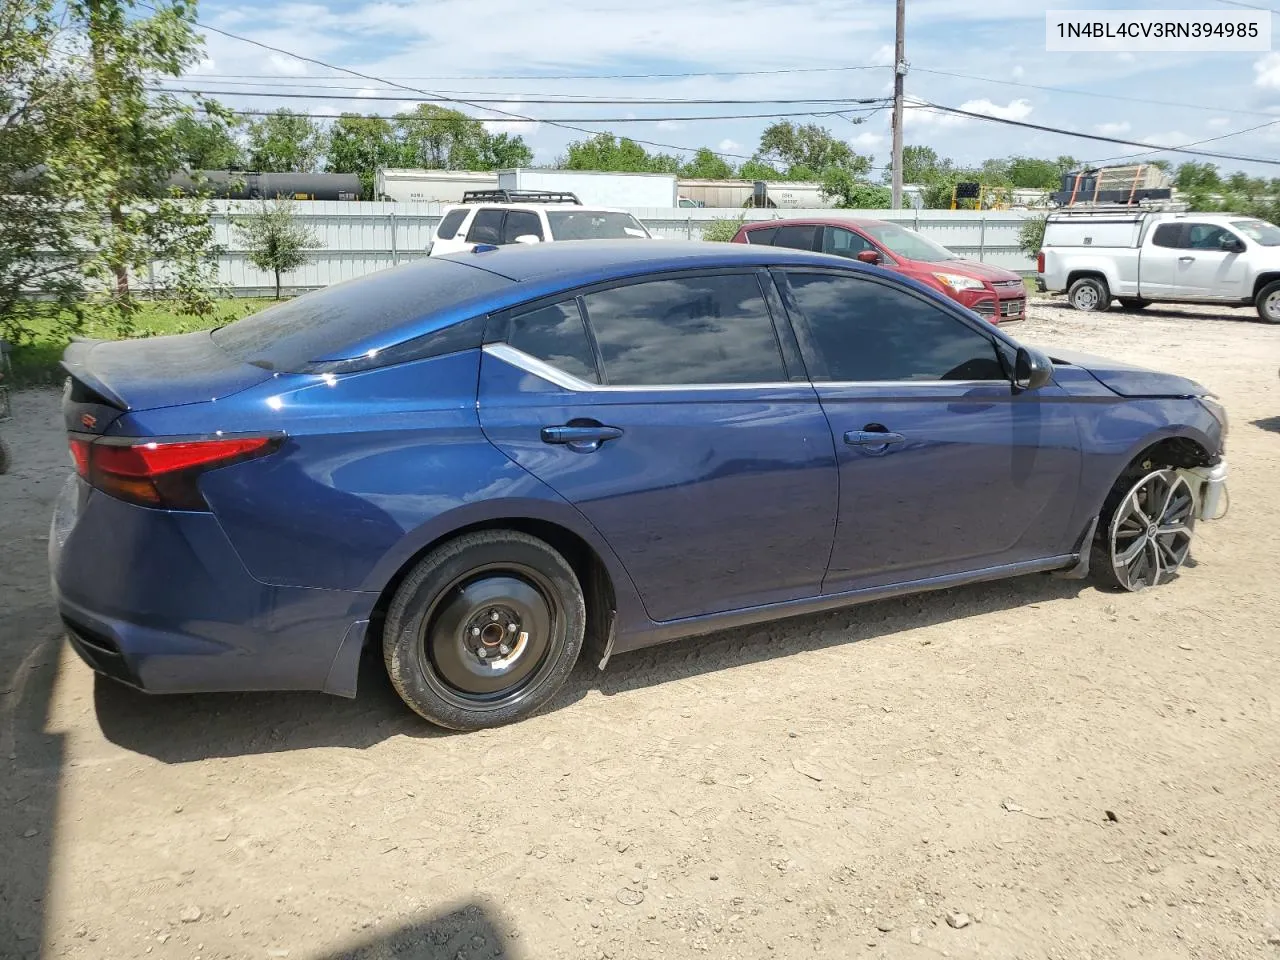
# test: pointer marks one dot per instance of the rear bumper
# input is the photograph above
(159, 600)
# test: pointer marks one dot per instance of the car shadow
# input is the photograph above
(469, 932)
(1270, 424)
(185, 728)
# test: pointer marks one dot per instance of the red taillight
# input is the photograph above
(159, 474)
(1040, 262)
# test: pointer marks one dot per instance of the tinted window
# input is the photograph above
(450, 224)
(1167, 235)
(329, 322)
(762, 236)
(486, 227)
(520, 223)
(555, 335)
(691, 330)
(1206, 236)
(865, 330)
(844, 243)
(798, 238)
(595, 225)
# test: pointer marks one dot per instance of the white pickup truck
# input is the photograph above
(1143, 257)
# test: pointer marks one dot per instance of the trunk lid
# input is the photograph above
(109, 378)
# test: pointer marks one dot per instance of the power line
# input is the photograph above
(650, 101)
(1097, 136)
(567, 76)
(364, 76)
(561, 121)
(1193, 143)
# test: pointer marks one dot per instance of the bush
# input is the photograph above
(1031, 236)
(723, 229)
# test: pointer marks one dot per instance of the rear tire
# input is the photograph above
(1268, 303)
(4, 458)
(1127, 304)
(484, 630)
(1090, 295)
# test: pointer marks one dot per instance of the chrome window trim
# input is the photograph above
(540, 368)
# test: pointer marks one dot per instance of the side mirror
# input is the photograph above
(528, 238)
(870, 256)
(1231, 244)
(1031, 369)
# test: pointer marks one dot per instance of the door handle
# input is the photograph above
(580, 437)
(872, 438)
(1186, 259)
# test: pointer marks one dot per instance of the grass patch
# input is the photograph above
(36, 361)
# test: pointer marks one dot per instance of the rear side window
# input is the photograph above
(450, 224)
(556, 335)
(486, 227)
(764, 237)
(521, 223)
(1167, 235)
(691, 330)
(866, 331)
(797, 238)
(331, 322)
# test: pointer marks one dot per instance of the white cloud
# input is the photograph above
(285, 66)
(1018, 73)
(1267, 72)
(1015, 110)
(883, 54)
(509, 125)
(1113, 129)
(669, 125)
(1219, 122)
(922, 116)
(729, 146)
(868, 139)
(1174, 138)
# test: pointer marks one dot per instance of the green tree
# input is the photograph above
(922, 165)
(286, 142)
(361, 145)
(723, 229)
(441, 139)
(1197, 176)
(808, 150)
(1031, 236)
(707, 165)
(275, 239)
(207, 143)
(759, 170)
(851, 193)
(1036, 174)
(606, 152)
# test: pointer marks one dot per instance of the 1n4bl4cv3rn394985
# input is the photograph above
(485, 462)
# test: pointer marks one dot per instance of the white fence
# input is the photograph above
(359, 238)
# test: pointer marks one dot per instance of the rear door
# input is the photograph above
(675, 415)
(943, 468)
(1158, 266)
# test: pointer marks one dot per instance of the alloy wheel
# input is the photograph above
(1150, 534)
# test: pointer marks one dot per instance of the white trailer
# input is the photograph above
(596, 189)
(425, 186)
(784, 195)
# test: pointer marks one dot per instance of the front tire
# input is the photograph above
(1090, 295)
(484, 630)
(1268, 303)
(1145, 536)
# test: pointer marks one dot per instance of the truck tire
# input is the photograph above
(1268, 303)
(1128, 304)
(1089, 294)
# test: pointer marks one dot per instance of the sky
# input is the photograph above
(997, 46)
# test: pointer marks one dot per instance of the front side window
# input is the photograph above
(521, 223)
(907, 243)
(1206, 236)
(595, 225)
(449, 225)
(844, 243)
(868, 331)
(555, 335)
(690, 330)
(486, 227)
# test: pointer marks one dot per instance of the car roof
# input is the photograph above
(570, 207)
(814, 221)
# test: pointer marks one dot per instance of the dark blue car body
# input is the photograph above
(714, 505)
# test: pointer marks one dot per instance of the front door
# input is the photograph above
(1207, 271)
(943, 468)
(672, 422)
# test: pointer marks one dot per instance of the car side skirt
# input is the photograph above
(695, 626)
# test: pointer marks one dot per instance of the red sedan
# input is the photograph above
(993, 292)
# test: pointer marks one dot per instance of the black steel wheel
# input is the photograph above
(1147, 536)
(484, 630)
(1089, 294)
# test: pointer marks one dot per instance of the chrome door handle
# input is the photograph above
(1186, 259)
(872, 438)
(580, 437)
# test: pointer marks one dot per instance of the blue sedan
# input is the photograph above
(486, 462)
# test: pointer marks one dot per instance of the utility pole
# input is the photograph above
(899, 76)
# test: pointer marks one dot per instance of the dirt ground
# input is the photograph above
(836, 786)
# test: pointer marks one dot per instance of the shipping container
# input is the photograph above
(596, 189)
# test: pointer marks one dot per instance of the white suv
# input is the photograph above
(477, 221)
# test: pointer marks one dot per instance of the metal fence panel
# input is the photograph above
(355, 238)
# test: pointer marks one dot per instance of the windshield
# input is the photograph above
(907, 243)
(595, 225)
(1259, 231)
